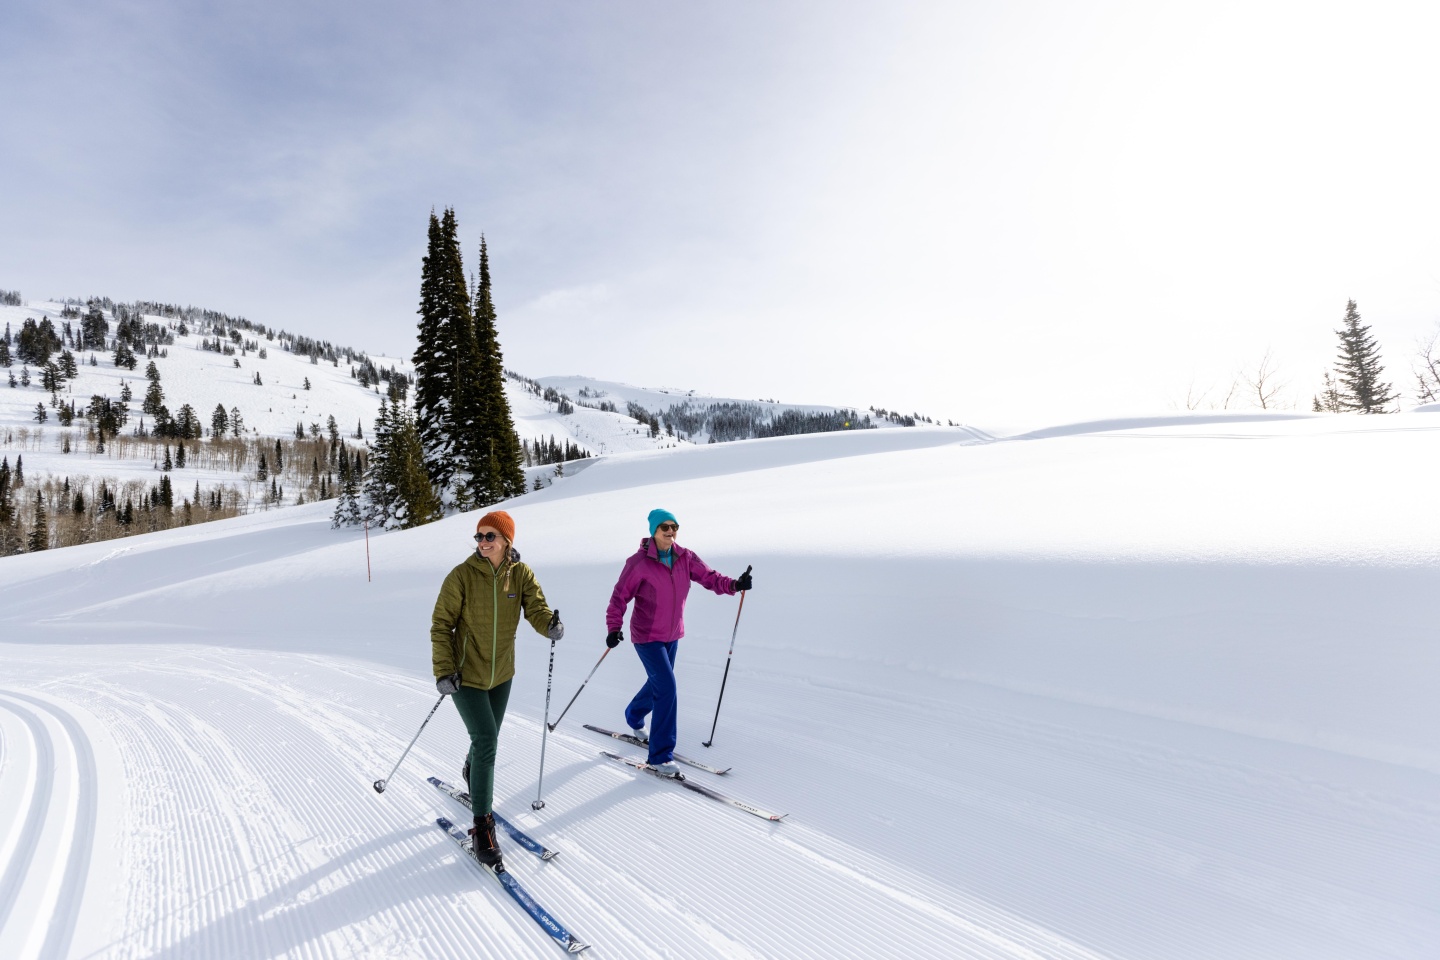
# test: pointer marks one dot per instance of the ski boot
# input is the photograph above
(485, 844)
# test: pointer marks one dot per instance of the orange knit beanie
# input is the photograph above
(501, 521)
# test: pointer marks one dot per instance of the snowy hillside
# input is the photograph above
(271, 408)
(1132, 690)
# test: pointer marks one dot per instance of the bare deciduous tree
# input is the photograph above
(1265, 385)
(1427, 369)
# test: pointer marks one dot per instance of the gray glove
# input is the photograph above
(447, 685)
(556, 630)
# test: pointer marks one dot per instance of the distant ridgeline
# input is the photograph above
(724, 421)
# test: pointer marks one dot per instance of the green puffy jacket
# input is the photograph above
(472, 631)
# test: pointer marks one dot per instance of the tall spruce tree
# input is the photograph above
(1358, 369)
(494, 453)
(432, 366)
(444, 354)
(467, 417)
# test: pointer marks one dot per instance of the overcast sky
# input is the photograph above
(992, 212)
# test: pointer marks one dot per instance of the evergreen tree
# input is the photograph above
(219, 421)
(347, 507)
(398, 493)
(378, 492)
(441, 363)
(154, 398)
(187, 423)
(93, 329)
(493, 454)
(416, 502)
(1328, 399)
(9, 538)
(40, 534)
(1358, 368)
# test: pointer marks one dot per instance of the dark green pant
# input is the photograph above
(482, 711)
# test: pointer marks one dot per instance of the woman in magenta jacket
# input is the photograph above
(657, 577)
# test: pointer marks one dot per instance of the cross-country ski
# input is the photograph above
(636, 741)
(699, 788)
(549, 924)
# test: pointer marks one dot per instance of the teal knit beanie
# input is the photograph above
(658, 516)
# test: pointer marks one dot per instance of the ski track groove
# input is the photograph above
(37, 808)
(286, 791)
(67, 825)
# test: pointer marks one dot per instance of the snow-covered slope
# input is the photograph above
(1164, 691)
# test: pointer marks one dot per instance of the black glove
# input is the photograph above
(743, 581)
(447, 685)
(613, 638)
(556, 630)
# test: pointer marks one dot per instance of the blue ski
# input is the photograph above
(549, 924)
(516, 834)
(644, 767)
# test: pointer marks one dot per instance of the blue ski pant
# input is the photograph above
(483, 711)
(659, 696)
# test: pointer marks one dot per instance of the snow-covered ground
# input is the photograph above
(1142, 689)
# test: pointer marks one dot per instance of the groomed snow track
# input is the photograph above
(252, 831)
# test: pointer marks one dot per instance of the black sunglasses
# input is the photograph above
(490, 537)
(669, 528)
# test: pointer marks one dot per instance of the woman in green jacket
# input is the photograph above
(472, 640)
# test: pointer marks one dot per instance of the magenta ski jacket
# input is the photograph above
(659, 592)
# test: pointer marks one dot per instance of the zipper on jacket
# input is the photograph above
(494, 623)
(674, 599)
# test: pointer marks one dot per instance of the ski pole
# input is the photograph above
(381, 784)
(539, 804)
(552, 726)
(727, 666)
